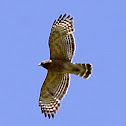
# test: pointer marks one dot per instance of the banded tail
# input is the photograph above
(83, 70)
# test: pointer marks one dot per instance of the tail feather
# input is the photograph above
(83, 70)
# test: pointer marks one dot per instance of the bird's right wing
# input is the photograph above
(52, 91)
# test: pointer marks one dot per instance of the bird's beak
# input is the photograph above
(39, 64)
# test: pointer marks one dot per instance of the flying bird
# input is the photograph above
(60, 66)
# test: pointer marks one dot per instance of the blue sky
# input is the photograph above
(100, 34)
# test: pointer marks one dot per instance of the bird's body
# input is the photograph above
(60, 66)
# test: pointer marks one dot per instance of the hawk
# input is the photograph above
(60, 66)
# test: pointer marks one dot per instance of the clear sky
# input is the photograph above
(100, 34)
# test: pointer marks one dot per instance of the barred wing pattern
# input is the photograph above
(52, 91)
(61, 40)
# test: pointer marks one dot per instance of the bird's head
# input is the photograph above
(45, 64)
(41, 64)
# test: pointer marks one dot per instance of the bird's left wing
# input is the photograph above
(61, 40)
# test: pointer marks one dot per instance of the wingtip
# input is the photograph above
(53, 116)
(60, 16)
